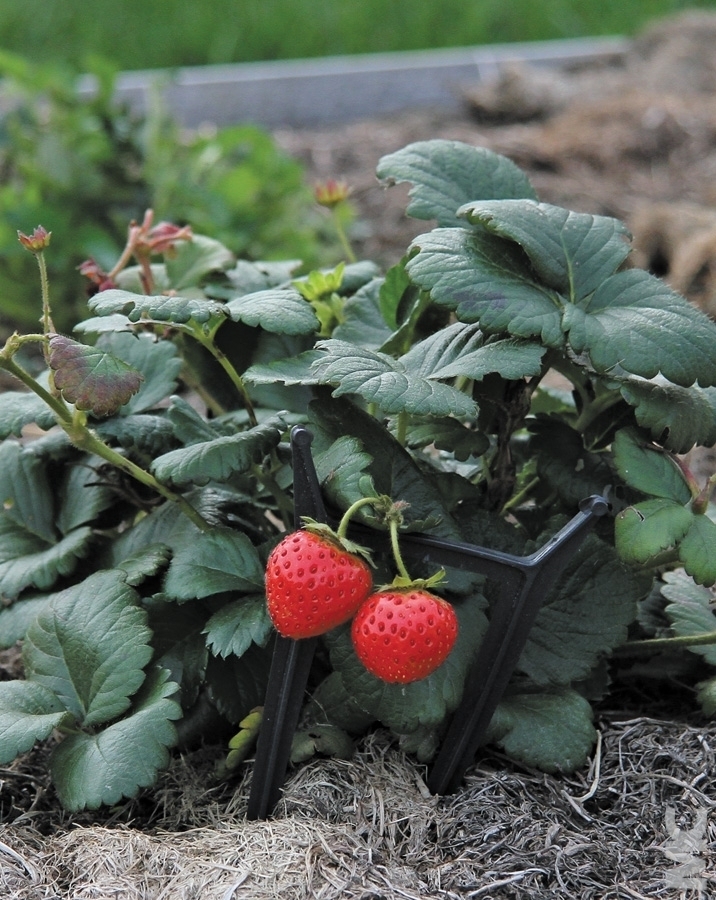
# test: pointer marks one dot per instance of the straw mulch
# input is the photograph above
(641, 822)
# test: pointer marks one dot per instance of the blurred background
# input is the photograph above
(139, 34)
(84, 165)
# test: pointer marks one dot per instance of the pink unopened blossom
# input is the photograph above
(36, 242)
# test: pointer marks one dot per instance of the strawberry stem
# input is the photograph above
(342, 529)
(394, 524)
(403, 579)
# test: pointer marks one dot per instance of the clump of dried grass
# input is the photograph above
(368, 828)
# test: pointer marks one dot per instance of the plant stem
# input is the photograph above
(342, 529)
(594, 408)
(684, 640)
(394, 524)
(343, 237)
(188, 376)
(207, 341)
(517, 498)
(59, 408)
(402, 432)
(82, 437)
(283, 502)
(47, 325)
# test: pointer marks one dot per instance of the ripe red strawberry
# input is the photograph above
(402, 635)
(313, 584)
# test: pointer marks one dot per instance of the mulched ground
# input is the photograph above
(635, 139)
(636, 824)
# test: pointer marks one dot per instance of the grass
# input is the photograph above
(137, 34)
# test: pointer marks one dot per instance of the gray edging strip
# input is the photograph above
(312, 92)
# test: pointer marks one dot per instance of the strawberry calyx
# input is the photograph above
(406, 583)
(382, 505)
(329, 534)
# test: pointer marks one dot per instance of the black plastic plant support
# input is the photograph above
(524, 583)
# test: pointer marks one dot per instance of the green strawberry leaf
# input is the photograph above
(632, 322)
(91, 770)
(165, 526)
(82, 496)
(706, 696)
(26, 560)
(18, 409)
(89, 646)
(220, 458)
(172, 310)
(584, 617)
(28, 713)
(151, 435)
(510, 358)
(237, 684)
(635, 322)
(144, 564)
(341, 470)
(647, 469)
(281, 310)
(233, 628)
(487, 280)
(393, 471)
(363, 322)
(690, 610)
(571, 252)
(90, 378)
(273, 396)
(189, 426)
(697, 550)
(179, 645)
(97, 325)
(548, 731)
(447, 174)
(677, 417)
(333, 702)
(450, 435)
(390, 384)
(211, 562)
(392, 290)
(16, 619)
(645, 530)
(564, 464)
(441, 349)
(194, 259)
(293, 371)
(25, 495)
(247, 277)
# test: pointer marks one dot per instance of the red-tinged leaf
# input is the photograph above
(91, 378)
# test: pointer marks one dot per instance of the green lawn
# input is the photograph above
(158, 33)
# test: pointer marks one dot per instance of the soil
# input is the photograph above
(635, 138)
(632, 137)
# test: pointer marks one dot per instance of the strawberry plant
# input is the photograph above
(511, 364)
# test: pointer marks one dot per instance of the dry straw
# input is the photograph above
(640, 823)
